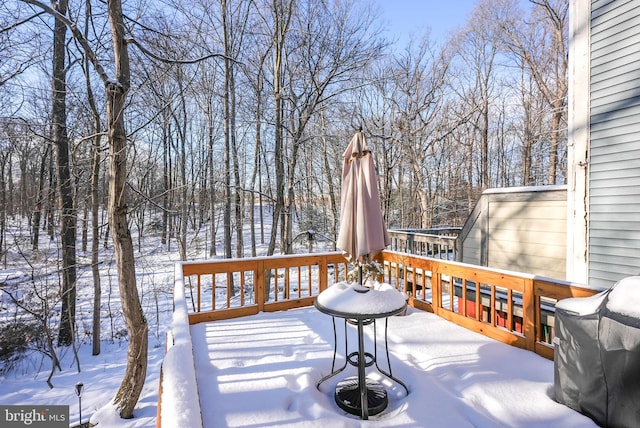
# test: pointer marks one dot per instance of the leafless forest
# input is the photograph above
(184, 117)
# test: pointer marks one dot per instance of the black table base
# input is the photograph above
(351, 392)
(348, 396)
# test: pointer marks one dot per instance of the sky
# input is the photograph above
(413, 17)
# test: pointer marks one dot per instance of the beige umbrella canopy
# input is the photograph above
(362, 232)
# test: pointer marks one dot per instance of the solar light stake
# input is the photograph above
(79, 389)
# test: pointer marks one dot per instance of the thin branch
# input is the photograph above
(19, 23)
(177, 61)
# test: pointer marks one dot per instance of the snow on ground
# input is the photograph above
(262, 371)
(101, 376)
(23, 382)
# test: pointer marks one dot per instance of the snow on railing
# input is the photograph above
(228, 288)
(179, 404)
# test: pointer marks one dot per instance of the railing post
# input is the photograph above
(260, 285)
(323, 274)
(529, 312)
(436, 288)
(200, 292)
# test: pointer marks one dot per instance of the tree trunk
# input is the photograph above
(227, 134)
(282, 17)
(287, 235)
(558, 109)
(166, 185)
(51, 200)
(95, 201)
(37, 212)
(212, 180)
(136, 371)
(67, 216)
(95, 242)
(182, 164)
(3, 207)
(256, 161)
(329, 173)
(239, 191)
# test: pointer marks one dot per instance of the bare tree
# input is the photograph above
(419, 79)
(229, 131)
(479, 50)
(133, 380)
(330, 45)
(5, 158)
(95, 194)
(282, 12)
(67, 215)
(116, 93)
(542, 45)
(40, 197)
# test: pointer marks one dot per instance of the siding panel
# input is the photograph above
(472, 245)
(614, 174)
(527, 232)
(519, 229)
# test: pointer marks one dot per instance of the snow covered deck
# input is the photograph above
(262, 371)
(482, 358)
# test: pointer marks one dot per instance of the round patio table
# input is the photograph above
(361, 306)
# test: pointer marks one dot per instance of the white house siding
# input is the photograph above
(529, 236)
(614, 156)
(472, 245)
(520, 229)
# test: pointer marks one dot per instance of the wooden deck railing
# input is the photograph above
(511, 307)
(224, 289)
(436, 243)
(514, 308)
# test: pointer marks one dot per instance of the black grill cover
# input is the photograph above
(597, 354)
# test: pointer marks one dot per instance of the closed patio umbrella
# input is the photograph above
(362, 235)
(362, 232)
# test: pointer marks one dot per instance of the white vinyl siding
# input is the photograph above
(528, 236)
(472, 245)
(521, 229)
(614, 164)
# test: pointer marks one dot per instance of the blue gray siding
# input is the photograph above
(614, 158)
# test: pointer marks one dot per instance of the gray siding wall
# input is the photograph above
(472, 244)
(614, 173)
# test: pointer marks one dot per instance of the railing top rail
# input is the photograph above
(449, 233)
(250, 263)
(545, 279)
(404, 233)
(249, 260)
(430, 229)
(505, 272)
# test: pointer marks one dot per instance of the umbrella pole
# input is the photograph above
(360, 273)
